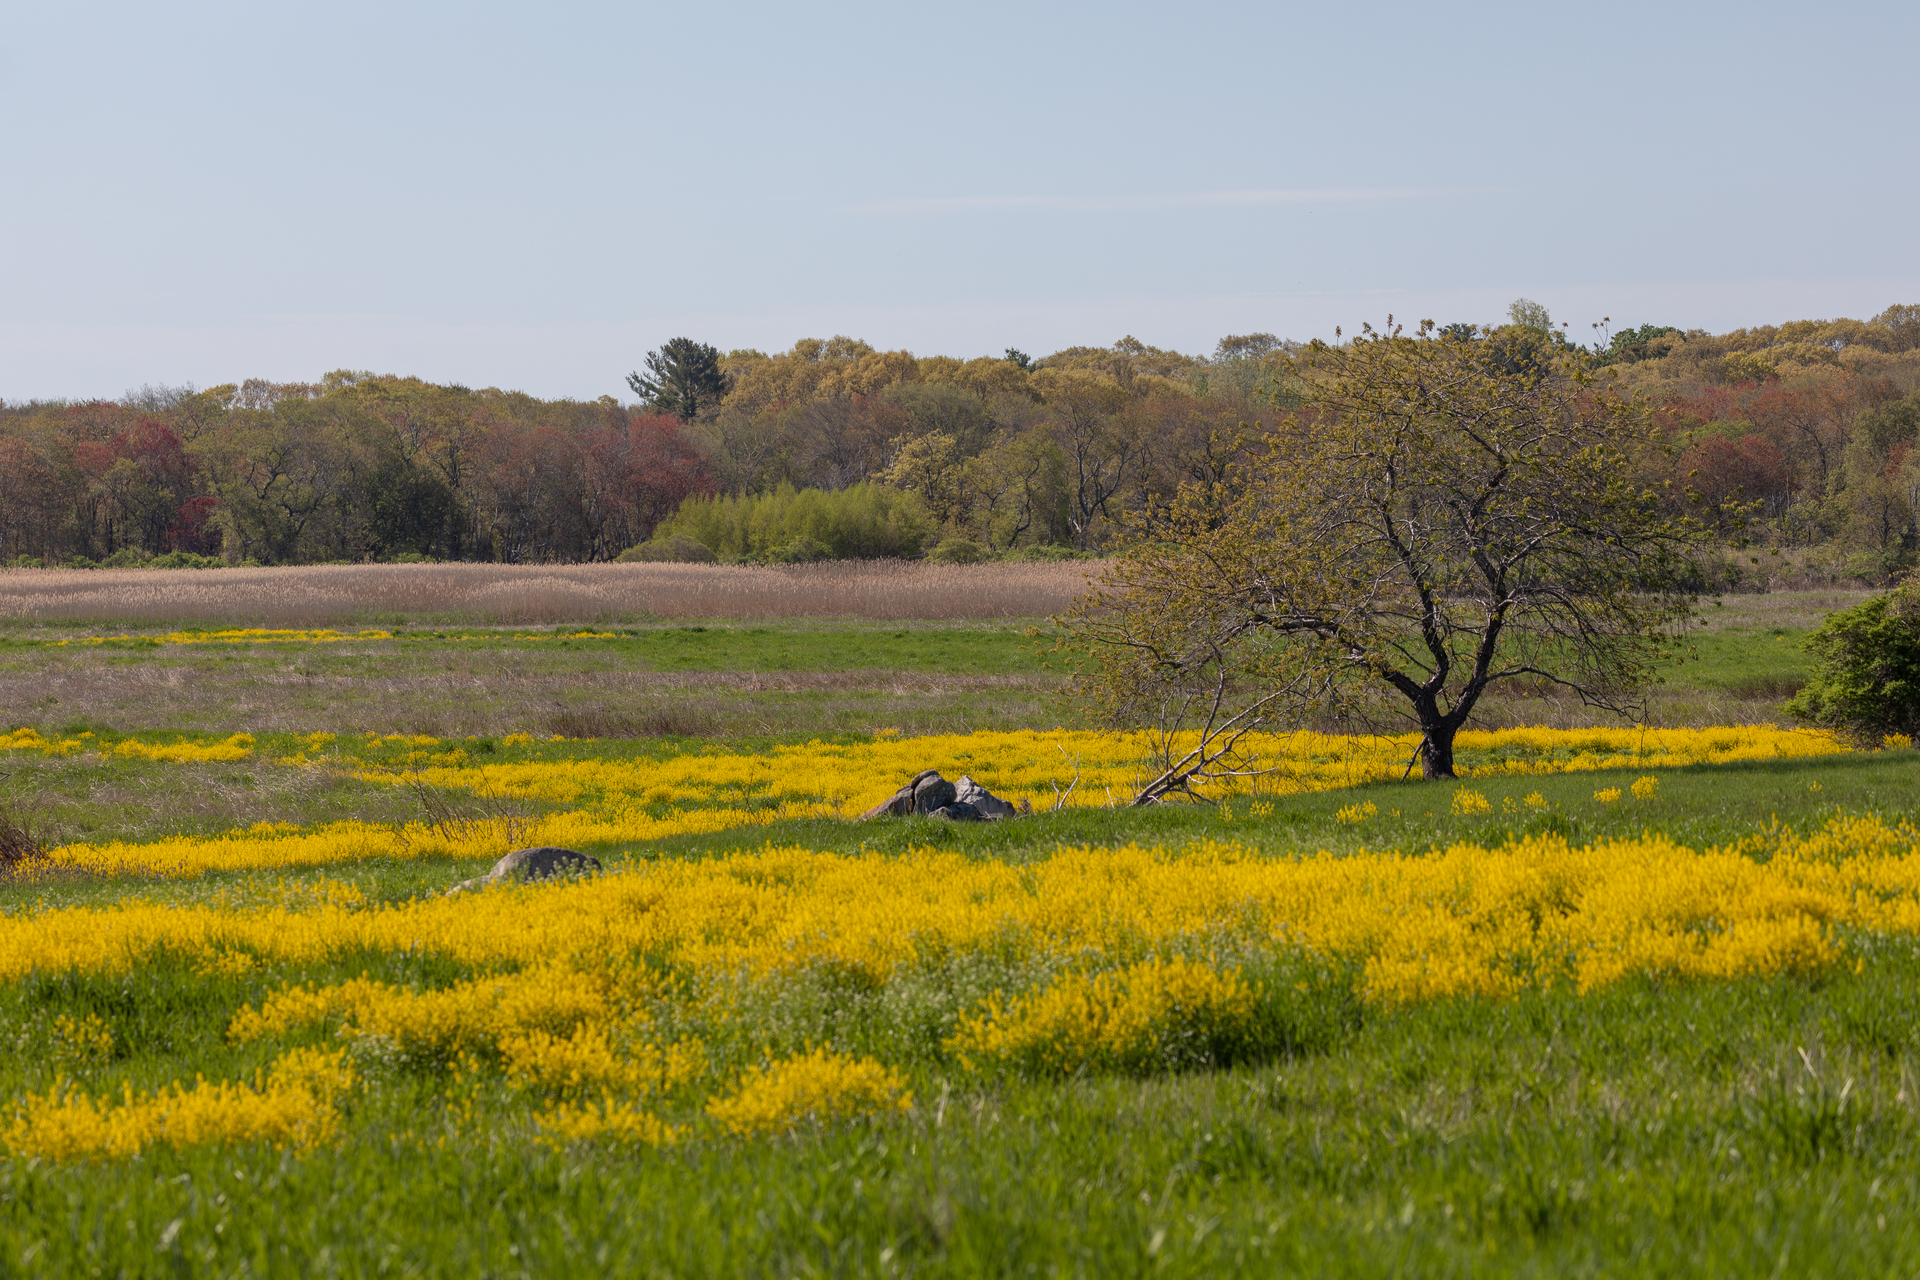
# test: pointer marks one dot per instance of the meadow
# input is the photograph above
(1624, 999)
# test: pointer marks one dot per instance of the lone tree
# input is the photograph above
(1441, 516)
(681, 377)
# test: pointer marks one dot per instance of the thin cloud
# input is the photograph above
(1135, 204)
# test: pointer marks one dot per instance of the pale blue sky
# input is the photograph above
(531, 196)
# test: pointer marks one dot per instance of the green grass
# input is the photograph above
(1732, 1128)
(712, 679)
(958, 649)
(1761, 1126)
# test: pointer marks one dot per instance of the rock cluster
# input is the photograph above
(932, 796)
(537, 863)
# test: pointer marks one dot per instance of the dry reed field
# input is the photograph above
(334, 595)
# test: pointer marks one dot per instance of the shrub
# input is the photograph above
(126, 558)
(957, 551)
(672, 548)
(860, 522)
(183, 560)
(1866, 678)
(801, 550)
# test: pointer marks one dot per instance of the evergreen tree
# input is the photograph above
(681, 378)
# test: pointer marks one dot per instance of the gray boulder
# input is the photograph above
(538, 863)
(933, 792)
(969, 792)
(900, 803)
(929, 793)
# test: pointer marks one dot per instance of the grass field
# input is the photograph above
(1623, 1004)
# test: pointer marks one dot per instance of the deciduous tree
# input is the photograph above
(1444, 516)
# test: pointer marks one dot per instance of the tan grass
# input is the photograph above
(341, 595)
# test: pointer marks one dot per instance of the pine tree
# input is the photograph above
(682, 377)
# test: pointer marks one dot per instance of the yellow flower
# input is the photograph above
(1130, 1019)
(1468, 803)
(294, 1106)
(817, 1087)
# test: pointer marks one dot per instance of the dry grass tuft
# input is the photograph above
(342, 595)
(21, 849)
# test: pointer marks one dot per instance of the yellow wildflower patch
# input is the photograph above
(817, 1087)
(244, 635)
(848, 778)
(237, 747)
(1460, 920)
(1468, 804)
(592, 1058)
(1129, 1019)
(609, 1118)
(464, 1016)
(82, 1040)
(293, 1106)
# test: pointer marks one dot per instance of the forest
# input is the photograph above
(1797, 441)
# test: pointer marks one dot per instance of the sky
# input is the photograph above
(532, 196)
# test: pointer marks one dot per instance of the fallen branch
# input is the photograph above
(1059, 796)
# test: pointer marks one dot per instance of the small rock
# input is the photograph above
(959, 811)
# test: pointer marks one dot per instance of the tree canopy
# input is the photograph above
(682, 377)
(1441, 516)
(1799, 437)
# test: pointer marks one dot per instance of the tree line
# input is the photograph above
(352, 468)
(1799, 437)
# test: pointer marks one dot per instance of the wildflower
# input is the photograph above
(1467, 803)
(816, 1087)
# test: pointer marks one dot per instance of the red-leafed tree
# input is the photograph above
(1729, 474)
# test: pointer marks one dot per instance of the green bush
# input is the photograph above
(860, 522)
(957, 551)
(183, 560)
(801, 550)
(1050, 553)
(1866, 679)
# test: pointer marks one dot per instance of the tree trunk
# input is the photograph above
(1436, 750)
